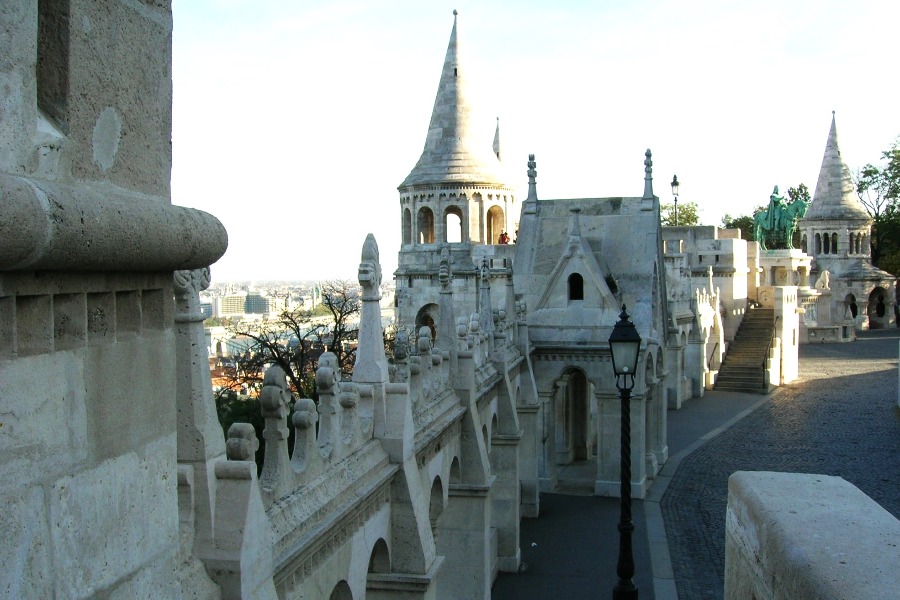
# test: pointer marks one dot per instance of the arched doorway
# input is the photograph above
(850, 304)
(496, 224)
(877, 309)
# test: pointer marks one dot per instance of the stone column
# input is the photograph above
(563, 441)
(547, 473)
(530, 416)
(505, 500)
(463, 539)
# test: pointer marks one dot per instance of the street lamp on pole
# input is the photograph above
(675, 193)
(624, 346)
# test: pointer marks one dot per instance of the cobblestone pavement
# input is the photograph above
(841, 418)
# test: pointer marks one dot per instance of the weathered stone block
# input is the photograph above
(797, 536)
(114, 520)
(25, 553)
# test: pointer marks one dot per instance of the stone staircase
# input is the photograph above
(743, 369)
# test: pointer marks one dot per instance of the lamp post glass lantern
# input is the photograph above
(675, 185)
(625, 346)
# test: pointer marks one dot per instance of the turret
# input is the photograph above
(456, 192)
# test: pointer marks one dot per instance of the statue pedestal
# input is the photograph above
(785, 267)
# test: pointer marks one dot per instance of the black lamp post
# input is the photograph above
(625, 345)
(675, 193)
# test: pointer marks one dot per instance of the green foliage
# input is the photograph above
(216, 322)
(878, 187)
(743, 222)
(233, 408)
(687, 214)
(801, 192)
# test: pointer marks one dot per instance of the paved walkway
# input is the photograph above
(841, 418)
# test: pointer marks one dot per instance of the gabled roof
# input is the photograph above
(579, 254)
(835, 196)
(454, 152)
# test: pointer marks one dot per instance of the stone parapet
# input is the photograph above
(798, 536)
(53, 226)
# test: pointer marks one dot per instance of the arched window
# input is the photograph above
(852, 247)
(496, 224)
(425, 225)
(453, 224)
(803, 243)
(818, 244)
(834, 246)
(407, 226)
(576, 287)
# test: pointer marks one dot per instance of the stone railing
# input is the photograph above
(324, 434)
(795, 536)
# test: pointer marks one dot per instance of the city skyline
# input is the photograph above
(282, 112)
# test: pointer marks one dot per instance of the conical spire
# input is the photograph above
(496, 146)
(835, 196)
(454, 152)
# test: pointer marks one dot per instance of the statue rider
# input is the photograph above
(775, 210)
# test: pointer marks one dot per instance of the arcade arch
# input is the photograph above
(453, 225)
(495, 225)
(425, 225)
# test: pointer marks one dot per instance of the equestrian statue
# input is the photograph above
(774, 227)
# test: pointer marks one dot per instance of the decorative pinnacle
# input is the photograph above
(532, 178)
(648, 174)
(454, 12)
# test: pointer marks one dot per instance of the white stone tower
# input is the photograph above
(454, 198)
(837, 231)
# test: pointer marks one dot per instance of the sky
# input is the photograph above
(295, 121)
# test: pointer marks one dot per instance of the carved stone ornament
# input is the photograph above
(193, 281)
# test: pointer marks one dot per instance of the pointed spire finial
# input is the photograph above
(574, 225)
(532, 178)
(496, 146)
(648, 174)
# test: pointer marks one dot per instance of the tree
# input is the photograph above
(743, 222)
(687, 214)
(295, 340)
(878, 188)
(801, 192)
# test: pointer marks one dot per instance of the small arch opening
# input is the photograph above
(453, 224)
(407, 227)
(576, 287)
(341, 591)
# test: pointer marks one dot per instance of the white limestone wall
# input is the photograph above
(88, 469)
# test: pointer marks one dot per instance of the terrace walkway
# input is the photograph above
(841, 418)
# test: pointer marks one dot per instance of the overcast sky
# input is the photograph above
(295, 121)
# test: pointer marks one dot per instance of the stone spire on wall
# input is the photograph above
(835, 196)
(454, 150)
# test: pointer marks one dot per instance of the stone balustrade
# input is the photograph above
(801, 537)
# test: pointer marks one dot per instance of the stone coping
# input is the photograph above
(55, 226)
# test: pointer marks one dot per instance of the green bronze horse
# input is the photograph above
(775, 226)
